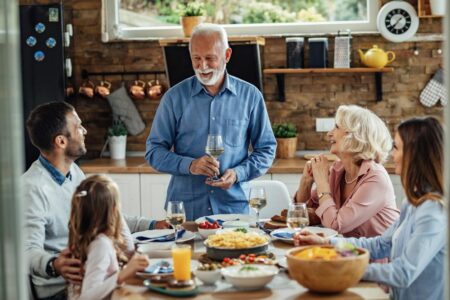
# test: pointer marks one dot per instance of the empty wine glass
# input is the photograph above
(297, 216)
(175, 215)
(257, 200)
(214, 148)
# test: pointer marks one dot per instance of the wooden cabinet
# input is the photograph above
(398, 189)
(145, 194)
(130, 196)
(153, 188)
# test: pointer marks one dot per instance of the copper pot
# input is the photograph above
(87, 89)
(154, 89)
(137, 90)
(104, 89)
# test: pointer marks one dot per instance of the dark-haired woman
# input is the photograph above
(415, 243)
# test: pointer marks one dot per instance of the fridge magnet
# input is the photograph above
(40, 28)
(53, 14)
(51, 42)
(31, 41)
(39, 56)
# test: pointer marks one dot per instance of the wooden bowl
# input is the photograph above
(327, 276)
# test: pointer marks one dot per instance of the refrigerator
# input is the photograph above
(42, 59)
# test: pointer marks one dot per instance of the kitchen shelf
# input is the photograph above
(280, 72)
(424, 9)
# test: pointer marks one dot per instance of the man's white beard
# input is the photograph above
(216, 75)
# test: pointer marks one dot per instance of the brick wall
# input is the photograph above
(307, 96)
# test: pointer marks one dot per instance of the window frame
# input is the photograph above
(112, 31)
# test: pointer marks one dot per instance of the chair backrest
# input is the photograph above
(278, 197)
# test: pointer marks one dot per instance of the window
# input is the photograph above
(151, 19)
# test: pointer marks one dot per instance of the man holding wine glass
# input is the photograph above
(211, 179)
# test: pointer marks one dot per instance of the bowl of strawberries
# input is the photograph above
(208, 228)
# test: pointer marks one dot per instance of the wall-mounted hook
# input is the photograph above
(416, 50)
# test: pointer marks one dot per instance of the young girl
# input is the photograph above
(416, 242)
(100, 238)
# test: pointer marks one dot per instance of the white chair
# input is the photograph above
(277, 195)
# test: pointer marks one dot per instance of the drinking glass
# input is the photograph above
(214, 148)
(181, 258)
(257, 200)
(175, 215)
(297, 216)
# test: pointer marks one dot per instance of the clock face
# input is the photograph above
(397, 21)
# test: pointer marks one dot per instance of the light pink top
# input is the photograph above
(101, 268)
(370, 208)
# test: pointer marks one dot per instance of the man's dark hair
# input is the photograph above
(46, 122)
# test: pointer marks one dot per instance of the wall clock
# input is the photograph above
(397, 21)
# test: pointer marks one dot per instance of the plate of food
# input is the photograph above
(233, 243)
(172, 287)
(276, 222)
(285, 234)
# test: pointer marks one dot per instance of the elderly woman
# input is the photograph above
(355, 196)
(415, 243)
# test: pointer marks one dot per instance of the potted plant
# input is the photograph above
(191, 15)
(286, 135)
(117, 139)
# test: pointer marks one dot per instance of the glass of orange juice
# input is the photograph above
(181, 255)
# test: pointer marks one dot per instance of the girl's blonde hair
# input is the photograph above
(95, 209)
(368, 137)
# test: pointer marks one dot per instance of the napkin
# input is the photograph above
(162, 267)
(219, 221)
(165, 238)
(283, 235)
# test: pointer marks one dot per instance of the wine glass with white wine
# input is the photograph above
(214, 148)
(297, 216)
(175, 215)
(257, 200)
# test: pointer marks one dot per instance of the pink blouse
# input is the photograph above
(368, 211)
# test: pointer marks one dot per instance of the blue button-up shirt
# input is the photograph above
(57, 176)
(185, 117)
(415, 245)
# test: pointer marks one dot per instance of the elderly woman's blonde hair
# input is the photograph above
(368, 137)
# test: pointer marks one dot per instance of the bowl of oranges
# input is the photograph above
(327, 268)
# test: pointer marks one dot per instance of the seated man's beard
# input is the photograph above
(216, 74)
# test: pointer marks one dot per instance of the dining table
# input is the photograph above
(281, 287)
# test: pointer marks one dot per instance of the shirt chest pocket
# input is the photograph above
(235, 132)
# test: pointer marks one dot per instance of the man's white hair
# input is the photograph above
(208, 29)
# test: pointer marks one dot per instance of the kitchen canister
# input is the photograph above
(295, 52)
(342, 50)
(438, 7)
(318, 51)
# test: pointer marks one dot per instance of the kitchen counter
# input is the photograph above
(139, 165)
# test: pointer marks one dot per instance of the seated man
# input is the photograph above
(56, 130)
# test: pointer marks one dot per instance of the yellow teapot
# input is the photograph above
(376, 57)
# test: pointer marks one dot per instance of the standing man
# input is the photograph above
(211, 102)
(56, 130)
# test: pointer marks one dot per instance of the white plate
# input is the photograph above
(327, 232)
(187, 236)
(226, 217)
